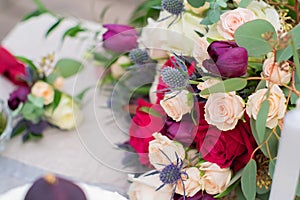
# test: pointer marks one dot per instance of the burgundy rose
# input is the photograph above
(199, 196)
(119, 38)
(143, 125)
(18, 96)
(231, 148)
(10, 67)
(227, 59)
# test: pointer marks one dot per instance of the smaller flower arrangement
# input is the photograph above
(39, 101)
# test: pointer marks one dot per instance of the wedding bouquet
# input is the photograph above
(226, 74)
(39, 101)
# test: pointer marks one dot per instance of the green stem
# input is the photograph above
(40, 5)
(296, 58)
(255, 60)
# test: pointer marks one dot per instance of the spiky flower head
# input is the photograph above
(170, 174)
(139, 56)
(174, 7)
(173, 77)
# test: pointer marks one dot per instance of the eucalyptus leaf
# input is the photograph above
(244, 3)
(150, 111)
(227, 191)
(248, 180)
(249, 36)
(229, 85)
(196, 3)
(36, 101)
(262, 119)
(272, 164)
(67, 67)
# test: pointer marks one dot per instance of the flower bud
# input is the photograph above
(227, 59)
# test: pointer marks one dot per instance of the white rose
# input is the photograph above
(277, 102)
(169, 147)
(224, 110)
(262, 10)
(67, 114)
(44, 90)
(207, 84)
(232, 20)
(116, 69)
(177, 106)
(192, 183)
(215, 179)
(179, 38)
(144, 188)
(281, 72)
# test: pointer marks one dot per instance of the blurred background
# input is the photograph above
(12, 11)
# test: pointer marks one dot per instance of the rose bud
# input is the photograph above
(227, 59)
(18, 96)
(119, 38)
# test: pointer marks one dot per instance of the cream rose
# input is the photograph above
(44, 90)
(224, 110)
(231, 20)
(215, 179)
(281, 72)
(179, 38)
(200, 50)
(144, 188)
(192, 157)
(169, 147)
(207, 84)
(59, 83)
(277, 102)
(262, 10)
(177, 106)
(116, 69)
(192, 183)
(67, 114)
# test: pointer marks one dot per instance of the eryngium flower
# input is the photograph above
(174, 7)
(173, 77)
(139, 56)
(227, 59)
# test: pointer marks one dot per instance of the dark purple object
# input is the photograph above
(199, 196)
(119, 38)
(227, 59)
(18, 96)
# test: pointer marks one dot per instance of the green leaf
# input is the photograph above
(56, 100)
(296, 58)
(285, 54)
(73, 31)
(244, 3)
(249, 36)
(39, 5)
(80, 96)
(214, 13)
(236, 177)
(35, 13)
(150, 111)
(298, 189)
(229, 85)
(31, 112)
(262, 119)
(52, 28)
(68, 67)
(272, 164)
(222, 3)
(27, 61)
(248, 180)
(196, 3)
(36, 101)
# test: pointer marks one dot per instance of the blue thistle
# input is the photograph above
(139, 56)
(174, 78)
(171, 174)
(175, 7)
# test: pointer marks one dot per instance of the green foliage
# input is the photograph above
(41, 9)
(67, 67)
(229, 85)
(286, 53)
(54, 26)
(73, 31)
(244, 3)
(248, 180)
(150, 111)
(213, 14)
(262, 119)
(144, 11)
(196, 3)
(3, 122)
(56, 100)
(32, 110)
(227, 191)
(249, 36)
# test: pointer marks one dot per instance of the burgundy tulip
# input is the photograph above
(227, 59)
(119, 38)
(18, 96)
